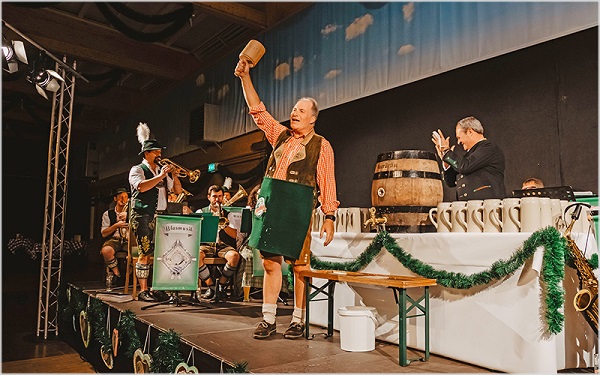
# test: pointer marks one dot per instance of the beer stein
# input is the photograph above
(556, 210)
(253, 52)
(545, 212)
(459, 216)
(510, 222)
(364, 216)
(530, 218)
(341, 217)
(562, 220)
(317, 220)
(442, 216)
(492, 209)
(475, 216)
(353, 221)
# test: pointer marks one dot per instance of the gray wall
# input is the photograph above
(539, 104)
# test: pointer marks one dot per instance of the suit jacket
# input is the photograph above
(479, 174)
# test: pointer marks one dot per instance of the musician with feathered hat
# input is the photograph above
(150, 184)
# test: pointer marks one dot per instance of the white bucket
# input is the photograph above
(357, 328)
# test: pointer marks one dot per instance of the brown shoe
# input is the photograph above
(264, 330)
(294, 331)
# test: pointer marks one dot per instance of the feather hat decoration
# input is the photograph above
(143, 135)
(143, 132)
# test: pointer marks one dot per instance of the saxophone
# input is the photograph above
(586, 299)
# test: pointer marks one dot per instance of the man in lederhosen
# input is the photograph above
(149, 187)
(302, 157)
(113, 230)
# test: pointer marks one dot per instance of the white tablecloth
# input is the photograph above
(498, 326)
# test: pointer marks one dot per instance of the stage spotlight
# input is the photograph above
(44, 79)
(13, 53)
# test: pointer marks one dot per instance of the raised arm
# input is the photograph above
(242, 70)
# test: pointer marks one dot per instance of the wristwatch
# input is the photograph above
(330, 217)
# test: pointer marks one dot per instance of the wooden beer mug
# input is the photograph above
(253, 52)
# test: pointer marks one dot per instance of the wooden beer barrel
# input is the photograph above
(406, 185)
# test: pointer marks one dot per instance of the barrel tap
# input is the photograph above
(379, 222)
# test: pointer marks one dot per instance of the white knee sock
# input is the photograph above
(269, 311)
(298, 315)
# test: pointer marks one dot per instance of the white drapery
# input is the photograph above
(342, 51)
(499, 326)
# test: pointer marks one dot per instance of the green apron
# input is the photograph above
(281, 217)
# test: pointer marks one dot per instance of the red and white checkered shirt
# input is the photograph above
(325, 164)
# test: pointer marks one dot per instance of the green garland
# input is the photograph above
(238, 368)
(98, 321)
(552, 272)
(64, 307)
(130, 340)
(166, 355)
(593, 261)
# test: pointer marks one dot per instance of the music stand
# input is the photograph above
(558, 192)
(175, 267)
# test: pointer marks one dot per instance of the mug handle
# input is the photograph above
(513, 218)
(495, 217)
(459, 218)
(434, 222)
(446, 221)
(476, 218)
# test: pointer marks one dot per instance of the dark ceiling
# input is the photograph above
(132, 53)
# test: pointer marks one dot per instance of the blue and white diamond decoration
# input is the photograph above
(176, 259)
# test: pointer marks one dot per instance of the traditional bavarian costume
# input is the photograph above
(145, 206)
(299, 173)
(115, 239)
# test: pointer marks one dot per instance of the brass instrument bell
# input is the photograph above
(182, 195)
(181, 172)
(241, 193)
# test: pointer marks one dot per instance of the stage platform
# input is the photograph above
(221, 338)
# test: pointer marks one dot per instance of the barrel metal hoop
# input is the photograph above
(410, 228)
(406, 154)
(406, 174)
(403, 209)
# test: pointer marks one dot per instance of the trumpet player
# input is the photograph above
(113, 230)
(150, 184)
(225, 247)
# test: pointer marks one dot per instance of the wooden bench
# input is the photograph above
(399, 284)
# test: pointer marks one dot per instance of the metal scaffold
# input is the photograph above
(56, 201)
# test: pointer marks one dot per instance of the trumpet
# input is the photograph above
(223, 221)
(181, 171)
